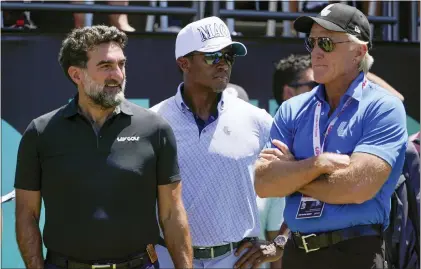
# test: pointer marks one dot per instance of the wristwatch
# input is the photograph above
(281, 241)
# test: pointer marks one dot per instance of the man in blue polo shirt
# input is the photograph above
(336, 152)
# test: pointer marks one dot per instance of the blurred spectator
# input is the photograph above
(373, 8)
(379, 81)
(118, 20)
(315, 6)
(237, 91)
(293, 75)
(18, 19)
(415, 138)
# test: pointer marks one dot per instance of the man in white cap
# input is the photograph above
(219, 137)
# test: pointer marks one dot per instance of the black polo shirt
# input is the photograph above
(99, 190)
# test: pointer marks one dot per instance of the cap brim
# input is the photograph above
(238, 48)
(304, 23)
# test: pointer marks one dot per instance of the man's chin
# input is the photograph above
(106, 103)
(220, 88)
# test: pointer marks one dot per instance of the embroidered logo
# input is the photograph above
(227, 131)
(356, 29)
(210, 31)
(326, 10)
(127, 138)
(341, 128)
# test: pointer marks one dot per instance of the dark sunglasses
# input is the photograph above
(310, 84)
(325, 43)
(216, 57)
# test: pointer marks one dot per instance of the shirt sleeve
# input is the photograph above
(167, 163)
(384, 130)
(412, 174)
(282, 127)
(28, 166)
(275, 214)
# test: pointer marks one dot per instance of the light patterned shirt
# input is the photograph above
(217, 167)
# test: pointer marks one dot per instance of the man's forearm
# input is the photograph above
(282, 178)
(177, 238)
(28, 236)
(353, 185)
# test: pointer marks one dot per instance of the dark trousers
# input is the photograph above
(366, 252)
(48, 265)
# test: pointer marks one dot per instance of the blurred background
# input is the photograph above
(32, 82)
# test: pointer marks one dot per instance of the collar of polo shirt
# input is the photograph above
(183, 107)
(355, 90)
(72, 108)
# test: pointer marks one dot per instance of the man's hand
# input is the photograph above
(282, 152)
(332, 162)
(259, 252)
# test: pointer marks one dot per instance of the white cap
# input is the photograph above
(206, 35)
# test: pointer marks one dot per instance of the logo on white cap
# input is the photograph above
(206, 35)
(214, 30)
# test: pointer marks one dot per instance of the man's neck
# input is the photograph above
(337, 88)
(203, 102)
(93, 111)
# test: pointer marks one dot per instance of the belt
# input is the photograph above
(65, 262)
(313, 242)
(216, 251)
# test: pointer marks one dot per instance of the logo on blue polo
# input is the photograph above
(341, 128)
(210, 31)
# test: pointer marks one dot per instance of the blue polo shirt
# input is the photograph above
(374, 122)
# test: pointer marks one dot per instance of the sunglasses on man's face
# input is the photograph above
(216, 57)
(325, 43)
(310, 84)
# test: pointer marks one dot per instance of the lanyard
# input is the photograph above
(318, 149)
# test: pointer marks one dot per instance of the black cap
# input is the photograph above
(340, 18)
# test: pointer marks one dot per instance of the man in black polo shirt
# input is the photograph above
(100, 163)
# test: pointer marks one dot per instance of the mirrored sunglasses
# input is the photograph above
(325, 43)
(212, 58)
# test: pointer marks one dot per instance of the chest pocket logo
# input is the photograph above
(341, 129)
(127, 138)
(227, 130)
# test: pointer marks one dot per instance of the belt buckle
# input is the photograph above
(212, 252)
(303, 239)
(102, 266)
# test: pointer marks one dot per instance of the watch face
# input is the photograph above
(281, 240)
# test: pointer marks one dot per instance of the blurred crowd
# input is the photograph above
(56, 21)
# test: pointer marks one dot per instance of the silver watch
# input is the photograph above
(281, 241)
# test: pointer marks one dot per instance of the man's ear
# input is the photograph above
(360, 53)
(75, 74)
(184, 64)
(288, 92)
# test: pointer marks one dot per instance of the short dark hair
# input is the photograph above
(287, 71)
(74, 49)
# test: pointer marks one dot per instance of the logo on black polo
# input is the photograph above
(214, 30)
(127, 138)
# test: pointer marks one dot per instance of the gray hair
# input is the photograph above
(367, 60)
